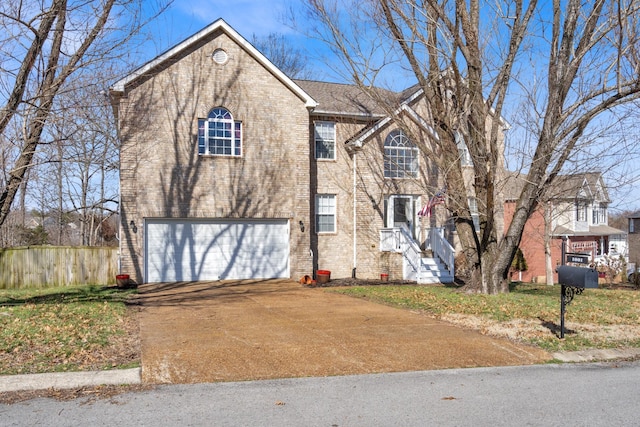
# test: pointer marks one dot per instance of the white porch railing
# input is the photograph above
(390, 240)
(400, 240)
(442, 249)
(412, 254)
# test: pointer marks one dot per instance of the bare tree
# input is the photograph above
(289, 60)
(473, 60)
(87, 155)
(47, 44)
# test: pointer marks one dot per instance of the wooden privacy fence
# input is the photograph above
(48, 266)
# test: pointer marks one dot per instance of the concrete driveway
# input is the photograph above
(247, 330)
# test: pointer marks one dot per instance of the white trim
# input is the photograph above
(219, 24)
(342, 114)
(359, 141)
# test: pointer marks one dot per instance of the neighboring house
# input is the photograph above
(574, 209)
(231, 170)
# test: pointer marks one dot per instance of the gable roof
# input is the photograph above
(202, 35)
(571, 186)
(584, 185)
(406, 97)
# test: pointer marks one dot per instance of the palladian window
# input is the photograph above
(219, 134)
(400, 156)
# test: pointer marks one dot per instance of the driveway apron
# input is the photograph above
(248, 330)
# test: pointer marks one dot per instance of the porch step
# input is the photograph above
(433, 271)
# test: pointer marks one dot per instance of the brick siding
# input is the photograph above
(162, 174)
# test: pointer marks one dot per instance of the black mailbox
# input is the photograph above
(577, 277)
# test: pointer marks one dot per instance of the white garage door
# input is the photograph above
(190, 250)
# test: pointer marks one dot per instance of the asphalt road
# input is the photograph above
(597, 394)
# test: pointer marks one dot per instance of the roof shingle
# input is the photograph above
(344, 99)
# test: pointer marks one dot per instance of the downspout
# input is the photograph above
(355, 198)
(119, 236)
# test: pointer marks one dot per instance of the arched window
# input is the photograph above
(219, 134)
(400, 156)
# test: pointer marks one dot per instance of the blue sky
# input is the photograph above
(248, 17)
(185, 17)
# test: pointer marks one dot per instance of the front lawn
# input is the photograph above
(530, 313)
(67, 329)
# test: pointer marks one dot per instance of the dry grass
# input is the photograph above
(599, 318)
(67, 329)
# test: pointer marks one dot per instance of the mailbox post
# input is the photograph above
(573, 281)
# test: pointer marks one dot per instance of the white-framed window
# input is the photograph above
(632, 228)
(599, 213)
(325, 213)
(219, 134)
(400, 156)
(581, 211)
(463, 151)
(475, 216)
(325, 140)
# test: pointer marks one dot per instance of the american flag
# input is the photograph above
(437, 199)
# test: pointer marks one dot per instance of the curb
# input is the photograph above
(62, 380)
(66, 380)
(597, 355)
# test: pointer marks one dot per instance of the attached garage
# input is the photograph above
(213, 249)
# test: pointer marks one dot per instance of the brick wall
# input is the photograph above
(162, 174)
(532, 246)
(335, 250)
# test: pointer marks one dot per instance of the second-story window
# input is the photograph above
(581, 211)
(400, 156)
(219, 134)
(599, 213)
(325, 140)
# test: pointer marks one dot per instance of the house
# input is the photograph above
(573, 210)
(229, 169)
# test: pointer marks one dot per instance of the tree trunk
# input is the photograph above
(491, 274)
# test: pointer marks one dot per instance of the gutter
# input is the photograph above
(353, 115)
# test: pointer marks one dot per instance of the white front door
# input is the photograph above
(401, 211)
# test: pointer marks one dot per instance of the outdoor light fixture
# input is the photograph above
(301, 224)
(133, 227)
